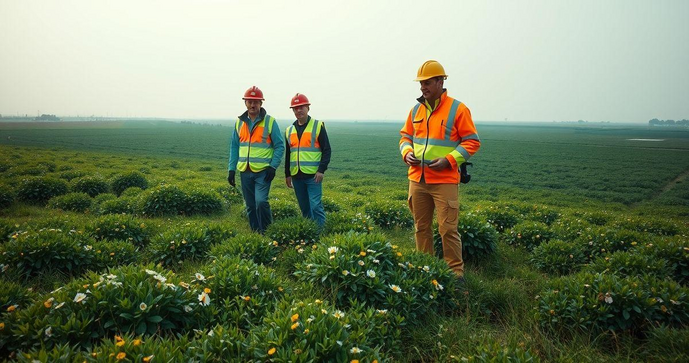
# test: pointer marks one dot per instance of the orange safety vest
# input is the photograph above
(255, 146)
(448, 133)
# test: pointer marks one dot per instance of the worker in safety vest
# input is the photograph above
(438, 136)
(256, 149)
(306, 159)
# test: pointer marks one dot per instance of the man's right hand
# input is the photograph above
(410, 159)
(288, 181)
(230, 177)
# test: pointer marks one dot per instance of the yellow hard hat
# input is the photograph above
(429, 70)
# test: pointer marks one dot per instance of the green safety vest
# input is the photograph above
(305, 151)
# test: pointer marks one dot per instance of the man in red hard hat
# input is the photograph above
(307, 156)
(256, 147)
(438, 136)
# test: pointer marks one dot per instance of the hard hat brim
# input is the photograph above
(421, 78)
(253, 98)
(303, 104)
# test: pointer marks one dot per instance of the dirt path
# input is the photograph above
(667, 187)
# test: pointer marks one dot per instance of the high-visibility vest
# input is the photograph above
(305, 151)
(255, 145)
(448, 132)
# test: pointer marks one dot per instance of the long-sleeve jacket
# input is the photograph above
(326, 151)
(446, 131)
(274, 139)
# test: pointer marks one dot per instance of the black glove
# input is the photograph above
(270, 174)
(230, 177)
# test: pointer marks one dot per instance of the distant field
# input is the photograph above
(609, 164)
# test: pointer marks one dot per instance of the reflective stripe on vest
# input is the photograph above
(430, 148)
(255, 145)
(305, 151)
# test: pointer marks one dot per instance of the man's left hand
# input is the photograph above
(270, 174)
(439, 164)
(319, 177)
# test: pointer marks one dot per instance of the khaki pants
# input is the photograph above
(423, 200)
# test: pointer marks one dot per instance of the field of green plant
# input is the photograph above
(121, 241)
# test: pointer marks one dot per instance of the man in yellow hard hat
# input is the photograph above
(307, 156)
(256, 148)
(438, 136)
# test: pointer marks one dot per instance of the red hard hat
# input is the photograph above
(253, 93)
(299, 100)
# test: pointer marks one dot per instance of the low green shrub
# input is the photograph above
(131, 179)
(163, 200)
(14, 296)
(502, 217)
(219, 231)
(127, 300)
(313, 330)
(284, 209)
(249, 246)
(131, 192)
(6, 196)
(231, 195)
(177, 244)
(543, 214)
(558, 257)
(71, 174)
(630, 263)
(570, 228)
(603, 240)
(479, 238)
(659, 226)
(121, 205)
(330, 205)
(599, 302)
(100, 198)
(673, 250)
(6, 230)
(91, 185)
(370, 270)
(120, 227)
(344, 222)
(242, 291)
(293, 230)
(201, 201)
(39, 190)
(595, 218)
(528, 234)
(74, 202)
(389, 214)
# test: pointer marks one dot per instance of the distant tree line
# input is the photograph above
(656, 122)
(199, 123)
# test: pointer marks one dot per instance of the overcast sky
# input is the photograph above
(516, 60)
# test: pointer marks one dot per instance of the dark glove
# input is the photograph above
(270, 174)
(230, 177)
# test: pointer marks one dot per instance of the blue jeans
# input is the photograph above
(309, 194)
(255, 189)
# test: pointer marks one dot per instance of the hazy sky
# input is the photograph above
(516, 60)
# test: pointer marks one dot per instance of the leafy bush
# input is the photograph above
(315, 331)
(343, 222)
(71, 174)
(14, 295)
(599, 302)
(329, 205)
(243, 291)
(283, 209)
(249, 246)
(164, 200)
(602, 240)
(121, 205)
(479, 238)
(200, 201)
(40, 189)
(131, 192)
(569, 229)
(127, 300)
(543, 214)
(132, 179)
(558, 257)
(91, 185)
(673, 250)
(595, 218)
(389, 214)
(658, 226)
(175, 245)
(6, 229)
(31, 253)
(120, 227)
(100, 198)
(75, 202)
(293, 230)
(6, 196)
(631, 263)
(231, 195)
(528, 234)
(375, 273)
(502, 217)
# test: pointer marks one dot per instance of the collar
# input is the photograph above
(296, 122)
(442, 98)
(245, 116)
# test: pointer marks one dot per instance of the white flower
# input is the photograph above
(360, 262)
(143, 306)
(187, 308)
(79, 297)
(310, 319)
(49, 331)
(59, 305)
(375, 261)
(204, 299)
(382, 311)
(608, 298)
(426, 268)
(345, 272)
(371, 273)
(333, 250)
(160, 278)
(395, 288)
(200, 277)
(111, 276)
(338, 314)
(355, 350)
(151, 272)
(88, 248)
